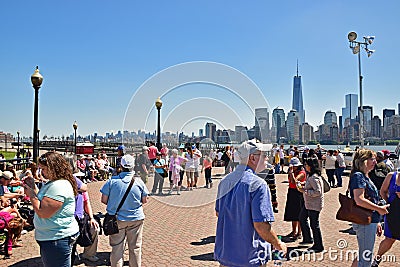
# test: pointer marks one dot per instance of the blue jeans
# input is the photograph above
(339, 172)
(57, 252)
(365, 239)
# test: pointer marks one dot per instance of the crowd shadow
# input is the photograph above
(104, 260)
(349, 231)
(206, 256)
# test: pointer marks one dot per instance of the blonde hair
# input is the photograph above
(360, 160)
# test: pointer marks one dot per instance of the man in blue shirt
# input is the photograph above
(244, 235)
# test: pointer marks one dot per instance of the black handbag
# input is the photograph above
(85, 238)
(110, 223)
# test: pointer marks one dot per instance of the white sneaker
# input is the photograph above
(90, 258)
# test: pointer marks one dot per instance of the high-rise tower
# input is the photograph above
(297, 103)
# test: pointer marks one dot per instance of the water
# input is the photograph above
(342, 147)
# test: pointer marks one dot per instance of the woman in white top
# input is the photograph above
(330, 168)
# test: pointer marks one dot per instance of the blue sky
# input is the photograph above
(96, 55)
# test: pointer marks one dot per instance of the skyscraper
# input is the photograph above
(211, 130)
(349, 112)
(367, 117)
(293, 126)
(297, 101)
(278, 124)
(262, 124)
(387, 113)
(330, 118)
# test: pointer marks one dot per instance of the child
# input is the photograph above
(207, 167)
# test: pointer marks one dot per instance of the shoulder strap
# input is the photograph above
(126, 194)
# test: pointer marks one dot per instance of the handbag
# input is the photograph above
(325, 185)
(350, 212)
(85, 237)
(110, 223)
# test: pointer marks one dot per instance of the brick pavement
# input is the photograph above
(180, 231)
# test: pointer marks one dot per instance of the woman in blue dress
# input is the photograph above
(390, 192)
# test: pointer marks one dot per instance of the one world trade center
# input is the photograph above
(297, 103)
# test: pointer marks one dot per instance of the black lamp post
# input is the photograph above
(75, 126)
(18, 141)
(158, 106)
(356, 47)
(38, 138)
(36, 80)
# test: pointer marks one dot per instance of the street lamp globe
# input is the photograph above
(36, 78)
(75, 125)
(158, 103)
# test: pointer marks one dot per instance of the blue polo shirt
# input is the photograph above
(115, 188)
(243, 198)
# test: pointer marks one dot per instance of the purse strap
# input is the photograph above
(126, 194)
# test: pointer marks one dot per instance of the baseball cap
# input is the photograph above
(121, 147)
(380, 154)
(128, 162)
(144, 148)
(252, 146)
(182, 146)
(193, 147)
(295, 162)
(7, 175)
(386, 152)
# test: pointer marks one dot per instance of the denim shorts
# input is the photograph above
(57, 252)
(366, 240)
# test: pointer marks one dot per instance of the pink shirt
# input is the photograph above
(207, 163)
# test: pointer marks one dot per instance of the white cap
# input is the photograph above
(128, 162)
(252, 146)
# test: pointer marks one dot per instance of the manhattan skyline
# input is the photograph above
(96, 58)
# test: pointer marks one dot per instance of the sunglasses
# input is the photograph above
(43, 159)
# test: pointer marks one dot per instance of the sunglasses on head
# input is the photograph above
(43, 159)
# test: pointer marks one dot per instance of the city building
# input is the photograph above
(278, 129)
(211, 129)
(293, 126)
(306, 133)
(240, 133)
(376, 126)
(367, 117)
(330, 118)
(297, 101)
(349, 112)
(387, 113)
(261, 127)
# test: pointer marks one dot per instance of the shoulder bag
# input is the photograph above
(110, 224)
(350, 212)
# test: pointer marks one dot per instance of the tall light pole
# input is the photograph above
(75, 126)
(18, 141)
(356, 46)
(36, 80)
(158, 106)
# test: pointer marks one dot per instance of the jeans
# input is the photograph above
(365, 239)
(305, 227)
(57, 252)
(158, 182)
(132, 231)
(207, 174)
(339, 172)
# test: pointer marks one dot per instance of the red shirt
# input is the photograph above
(297, 173)
(153, 152)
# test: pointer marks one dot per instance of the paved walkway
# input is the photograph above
(180, 231)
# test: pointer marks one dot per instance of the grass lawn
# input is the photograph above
(8, 154)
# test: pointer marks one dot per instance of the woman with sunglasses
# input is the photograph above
(56, 229)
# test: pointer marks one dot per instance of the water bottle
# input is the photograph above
(277, 255)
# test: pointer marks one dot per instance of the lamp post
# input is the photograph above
(38, 138)
(18, 141)
(158, 106)
(75, 126)
(356, 46)
(36, 80)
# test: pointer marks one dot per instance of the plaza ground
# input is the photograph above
(180, 231)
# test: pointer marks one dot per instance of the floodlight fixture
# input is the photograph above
(352, 36)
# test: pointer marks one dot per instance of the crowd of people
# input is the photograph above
(245, 204)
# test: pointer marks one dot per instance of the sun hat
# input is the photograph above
(295, 162)
(7, 175)
(252, 146)
(128, 162)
